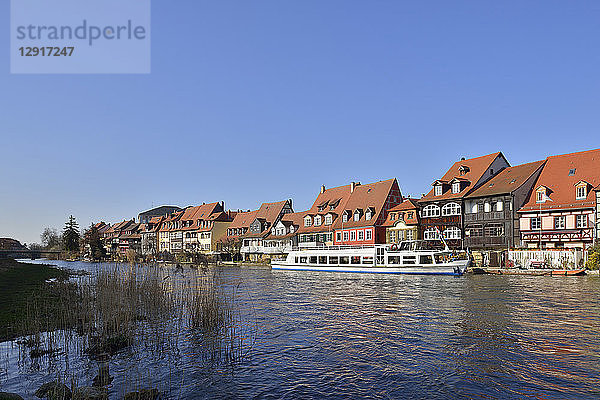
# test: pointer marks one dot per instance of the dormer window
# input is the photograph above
(318, 220)
(540, 195)
(581, 192)
(438, 190)
(369, 214)
(345, 216)
(291, 228)
(307, 221)
(328, 219)
(357, 214)
(456, 187)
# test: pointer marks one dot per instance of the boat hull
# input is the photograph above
(413, 270)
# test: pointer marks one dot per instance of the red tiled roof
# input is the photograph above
(294, 219)
(406, 205)
(508, 180)
(243, 219)
(171, 218)
(364, 196)
(336, 196)
(372, 195)
(557, 177)
(475, 168)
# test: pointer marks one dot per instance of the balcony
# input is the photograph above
(486, 241)
(489, 216)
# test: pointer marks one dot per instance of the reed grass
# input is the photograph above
(140, 310)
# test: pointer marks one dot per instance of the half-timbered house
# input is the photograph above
(561, 210)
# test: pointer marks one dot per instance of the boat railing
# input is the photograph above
(337, 247)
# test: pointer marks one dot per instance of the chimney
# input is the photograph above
(462, 159)
(353, 186)
(323, 189)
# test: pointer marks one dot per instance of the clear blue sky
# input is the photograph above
(253, 101)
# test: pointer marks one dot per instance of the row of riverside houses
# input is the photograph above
(481, 203)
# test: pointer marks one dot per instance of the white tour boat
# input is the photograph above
(411, 257)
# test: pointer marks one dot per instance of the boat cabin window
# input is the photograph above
(322, 259)
(303, 260)
(355, 260)
(344, 260)
(312, 260)
(394, 260)
(426, 259)
(367, 260)
(409, 259)
(333, 260)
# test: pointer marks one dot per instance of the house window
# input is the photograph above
(409, 215)
(410, 235)
(487, 207)
(581, 192)
(559, 222)
(369, 215)
(345, 236)
(361, 235)
(540, 197)
(307, 221)
(581, 221)
(452, 233)
(474, 209)
(438, 190)
(431, 211)
(475, 231)
(328, 219)
(338, 236)
(494, 230)
(456, 187)
(392, 236)
(357, 215)
(431, 234)
(368, 234)
(345, 217)
(318, 220)
(352, 235)
(451, 209)
(499, 206)
(392, 216)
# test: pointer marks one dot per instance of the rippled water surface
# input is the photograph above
(331, 335)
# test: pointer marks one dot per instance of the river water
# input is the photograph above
(339, 336)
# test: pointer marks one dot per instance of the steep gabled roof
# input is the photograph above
(560, 174)
(508, 180)
(270, 211)
(406, 205)
(243, 219)
(288, 219)
(372, 195)
(472, 169)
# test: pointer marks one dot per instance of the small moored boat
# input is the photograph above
(411, 257)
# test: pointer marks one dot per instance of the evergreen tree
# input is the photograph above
(71, 235)
(91, 238)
